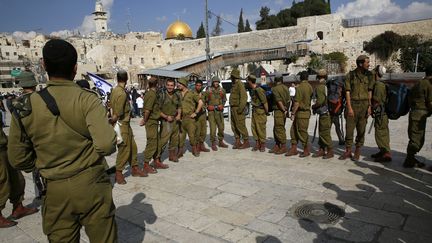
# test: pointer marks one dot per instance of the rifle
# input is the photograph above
(315, 129)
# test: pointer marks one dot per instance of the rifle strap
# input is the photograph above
(49, 101)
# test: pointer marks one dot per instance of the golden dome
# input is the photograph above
(177, 28)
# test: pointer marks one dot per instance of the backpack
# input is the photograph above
(269, 96)
(335, 97)
(210, 92)
(397, 104)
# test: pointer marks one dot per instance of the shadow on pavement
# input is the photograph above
(267, 239)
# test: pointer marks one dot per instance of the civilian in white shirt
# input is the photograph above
(140, 105)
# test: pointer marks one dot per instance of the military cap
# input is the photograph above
(183, 81)
(362, 58)
(26, 79)
(251, 77)
(215, 79)
(235, 73)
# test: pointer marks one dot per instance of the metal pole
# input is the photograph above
(208, 70)
(417, 56)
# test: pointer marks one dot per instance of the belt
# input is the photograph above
(94, 167)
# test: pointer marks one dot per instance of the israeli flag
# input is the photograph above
(102, 85)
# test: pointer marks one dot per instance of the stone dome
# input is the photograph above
(177, 28)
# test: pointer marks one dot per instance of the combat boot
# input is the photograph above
(214, 147)
(347, 154)
(237, 144)
(411, 161)
(292, 151)
(195, 151)
(356, 154)
(306, 151)
(282, 149)
(257, 146)
(180, 152)
(386, 157)
(20, 211)
(274, 149)
(319, 153)
(172, 155)
(119, 178)
(377, 155)
(137, 172)
(330, 153)
(158, 164)
(147, 168)
(262, 147)
(202, 148)
(222, 144)
(245, 144)
(6, 223)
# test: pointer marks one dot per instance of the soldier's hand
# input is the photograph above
(193, 115)
(369, 111)
(178, 118)
(170, 118)
(142, 122)
(350, 112)
(292, 117)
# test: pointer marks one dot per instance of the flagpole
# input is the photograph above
(208, 70)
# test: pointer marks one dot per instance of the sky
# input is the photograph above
(61, 17)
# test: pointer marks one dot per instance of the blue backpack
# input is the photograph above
(397, 100)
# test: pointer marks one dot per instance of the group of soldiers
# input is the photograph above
(64, 132)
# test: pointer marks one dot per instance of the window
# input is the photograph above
(115, 60)
(7, 54)
(142, 60)
(36, 54)
(82, 56)
(130, 60)
(103, 28)
(15, 53)
(134, 47)
(114, 48)
(320, 35)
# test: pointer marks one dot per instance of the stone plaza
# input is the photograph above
(244, 196)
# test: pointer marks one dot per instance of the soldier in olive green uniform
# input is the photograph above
(259, 114)
(150, 120)
(191, 105)
(320, 107)
(281, 103)
(358, 86)
(76, 128)
(381, 122)
(215, 99)
(121, 113)
(238, 102)
(300, 116)
(12, 180)
(201, 131)
(421, 109)
(170, 105)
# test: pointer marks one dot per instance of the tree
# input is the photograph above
(240, 26)
(262, 24)
(315, 63)
(411, 46)
(218, 27)
(201, 32)
(337, 57)
(180, 37)
(384, 45)
(248, 27)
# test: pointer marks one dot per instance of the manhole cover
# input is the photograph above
(323, 213)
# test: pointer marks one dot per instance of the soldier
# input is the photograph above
(320, 108)
(259, 114)
(170, 104)
(215, 99)
(13, 182)
(382, 134)
(238, 102)
(359, 84)
(421, 109)
(76, 128)
(281, 104)
(201, 118)
(150, 120)
(300, 116)
(121, 113)
(191, 105)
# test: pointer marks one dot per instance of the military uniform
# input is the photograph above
(259, 117)
(189, 125)
(381, 122)
(299, 127)
(127, 150)
(280, 93)
(169, 105)
(79, 191)
(421, 109)
(358, 83)
(152, 125)
(238, 102)
(201, 131)
(325, 141)
(215, 101)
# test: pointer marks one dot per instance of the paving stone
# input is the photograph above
(265, 227)
(392, 235)
(374, 216)
(421, 225)
(236, 235)
(239, 189)
(209, 182)
(218, 229)
(353, 230)
(227, 215)
(225, 199)
(273, 215)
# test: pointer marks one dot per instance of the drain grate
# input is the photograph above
(323, 213)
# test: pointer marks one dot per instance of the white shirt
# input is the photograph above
(292, 91)
(140, 102)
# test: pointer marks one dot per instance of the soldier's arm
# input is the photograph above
(263, 99)
(20, 153)
(296, 104)
(320, 97)
(243, 97)
(279, 101)
(117, 106)
(224, 97)
(102, 134)
(149, 101)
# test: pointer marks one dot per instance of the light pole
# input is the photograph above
(208, 70)
(416, 63)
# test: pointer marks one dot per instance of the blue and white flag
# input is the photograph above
(101, 84)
